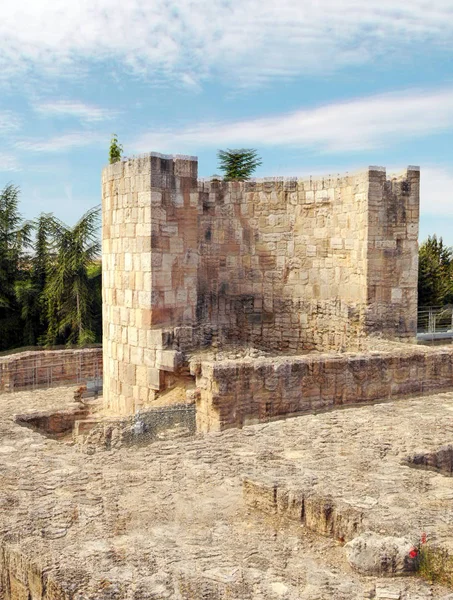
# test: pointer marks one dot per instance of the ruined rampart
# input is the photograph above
(47, 368)
(234, 393)
(287, 265)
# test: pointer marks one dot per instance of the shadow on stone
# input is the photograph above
(56, 424)
(440, 460)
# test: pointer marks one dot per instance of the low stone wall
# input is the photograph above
(321, 514)
(46, 368)
(233, 393)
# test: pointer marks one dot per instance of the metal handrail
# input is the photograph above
(435, 319)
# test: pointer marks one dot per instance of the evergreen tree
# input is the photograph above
(95, 282)
(50, 289)
(30, 291)
(15, 240)
(435, 273)
(115, 150)
(238, 165)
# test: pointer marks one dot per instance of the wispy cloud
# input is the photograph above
(9, 122)
(359, 124)
(8, 163)
(78, 110)
(63, 142)
(436, 191)
(251, 41)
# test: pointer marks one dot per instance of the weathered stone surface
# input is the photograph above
(168, 360)
(170, 519)
(440, 460)
(237, 392)
(374, 554)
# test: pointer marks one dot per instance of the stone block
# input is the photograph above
(155, 378)
(168, 360)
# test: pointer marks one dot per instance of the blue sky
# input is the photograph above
(319, 86)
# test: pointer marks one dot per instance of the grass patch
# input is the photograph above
(436, 565)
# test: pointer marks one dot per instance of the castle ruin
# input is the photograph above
(257, 301)
(285, 265)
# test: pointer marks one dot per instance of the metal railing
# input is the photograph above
(36, 376)
(435, 319)
(435, 323)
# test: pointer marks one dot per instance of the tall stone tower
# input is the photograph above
(150, 262)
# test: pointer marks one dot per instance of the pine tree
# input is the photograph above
(30, 291)
(15, 240)
(238, 165)
(435, 273)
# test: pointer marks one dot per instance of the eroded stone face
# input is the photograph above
(56, 424)
(440, 460)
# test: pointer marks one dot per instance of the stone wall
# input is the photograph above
(49, 367)
(393, 216)
(310, 264)
(284, 265)
(234, 393)
(284, 262)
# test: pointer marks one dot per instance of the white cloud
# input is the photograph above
(359, 124)
(63, 142)
(436, 191)
(8, 163)
(9, 122)
(251, 40)
(79, 110)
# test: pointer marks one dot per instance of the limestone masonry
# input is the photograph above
(284, 265)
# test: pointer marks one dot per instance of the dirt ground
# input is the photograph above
(168, 520)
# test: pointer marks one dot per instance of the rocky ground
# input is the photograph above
(169, 520)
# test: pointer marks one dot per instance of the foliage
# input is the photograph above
(436, 565)
(435, 273)
(115, 150)
(14, 242)
(68, 293)
(30, 291)
(95, 281)
(50, 278)
(238, 165)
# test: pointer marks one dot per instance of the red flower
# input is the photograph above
(423, 540)
(413, 553)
